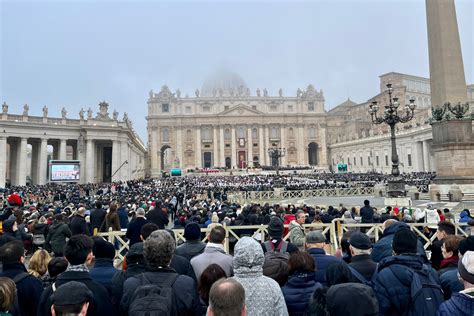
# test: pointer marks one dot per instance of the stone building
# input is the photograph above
(103, 143)
(224, 125)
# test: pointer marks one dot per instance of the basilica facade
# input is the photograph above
(224, 125)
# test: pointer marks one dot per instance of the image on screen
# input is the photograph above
(65, 172)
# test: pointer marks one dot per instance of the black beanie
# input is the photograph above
(404, 241)
(275, 227)
(103, 249)
(466, 244)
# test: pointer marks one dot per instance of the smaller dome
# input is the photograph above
(224, 82)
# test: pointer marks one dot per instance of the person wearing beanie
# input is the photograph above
(398, 272)
(360, 247)
(10, 231)
(462, 303)
(193, 245)
(449, 280)
(103, 270)
(275, 236)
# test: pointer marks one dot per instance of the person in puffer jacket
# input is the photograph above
(462, 303)
(263, 295)
(465, 216)
(301, 284)
(383, 248)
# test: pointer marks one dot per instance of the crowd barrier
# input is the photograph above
(333, 232)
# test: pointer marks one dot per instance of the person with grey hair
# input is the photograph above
(263, 295)
(135, 226)
(183, 298)
(297, 234)
(227, 298)
(78, 224)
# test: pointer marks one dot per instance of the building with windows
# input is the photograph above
(225, 126)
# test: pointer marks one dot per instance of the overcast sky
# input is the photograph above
(78, 53)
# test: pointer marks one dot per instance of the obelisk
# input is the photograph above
(453, 143)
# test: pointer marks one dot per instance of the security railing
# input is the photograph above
(260, 196)
(333, 232)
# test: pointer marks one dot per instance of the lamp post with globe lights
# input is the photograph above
(391, 116)
(276, 153)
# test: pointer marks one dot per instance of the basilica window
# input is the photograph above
(291, 133)
(227, 134)
(166, 135)
(206, 109)
(254, 133)
(273, 133)
(188, 135)
(254, 107)
(188, 109)
(273, 108)
(290, 108)
(312, 132)
(226, 107)
(310, 106)
(206, 134)
(241, 132)
(165, 108)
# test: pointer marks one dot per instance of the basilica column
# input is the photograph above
(233, 163)
(179, 146)
(426, 156)
(215, 154)
(267, 146)
(22, 162)
(249, 147)
(34, 161)
(324, 153)
(90, 161)
(222, 147)
(283, 143)
(198, 163)
(300, 144)
(3, 161)
(261, 146)
(157, 152)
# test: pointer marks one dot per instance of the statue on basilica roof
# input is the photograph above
(45, 111)
(5, 108)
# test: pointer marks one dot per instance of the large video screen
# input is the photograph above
(64, 170)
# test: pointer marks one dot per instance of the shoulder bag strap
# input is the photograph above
(357, 275)
(19, 277)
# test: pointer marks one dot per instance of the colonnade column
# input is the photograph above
(261, 146)
(215, 154)
(115, 160)
(426, 156)
(222, 147)
(23, 160)
(233, 163)
(124, 156)
(417, 157)
(179, 146)
(300, 144)
(198, 148)
(3, 161)
(62, 149)
(249, 147)
(34, 161)
(283, 143)
(90, 161)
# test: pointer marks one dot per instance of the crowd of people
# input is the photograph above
(53, 262)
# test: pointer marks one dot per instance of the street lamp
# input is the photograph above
(276, 153)
(391, 116)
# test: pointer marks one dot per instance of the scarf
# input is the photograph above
(77, 268)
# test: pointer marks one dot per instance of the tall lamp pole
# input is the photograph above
(276, 153)
(391, 116)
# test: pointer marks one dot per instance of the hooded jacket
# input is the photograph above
(56, 239)
(298, 291)
(297, 234)
(393, 283)
(460, 304)
(383, 248)
(263, 295)
(465, 216)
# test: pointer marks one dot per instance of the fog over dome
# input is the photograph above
(229, 82)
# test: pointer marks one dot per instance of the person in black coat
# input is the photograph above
(29, 288)
(360, 245)
(367, 213)
(78, 252)
(97, 217)
(158, 217)
(10, 231)
(78, 224)
(135, 227)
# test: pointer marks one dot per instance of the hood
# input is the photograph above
(8, 224)
(464, 213)
(394, 228)
(414, 262)
(248, 257)
(294, 224)
(56, 225)
(463, 302)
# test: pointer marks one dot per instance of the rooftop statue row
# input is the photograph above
(241, 91)
(102, 115)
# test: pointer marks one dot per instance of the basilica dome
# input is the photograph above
(224, 83)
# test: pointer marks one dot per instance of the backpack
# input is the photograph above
(362, 279)
(425, 293)
(275, 265)
(154, 298)
(39, 239)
